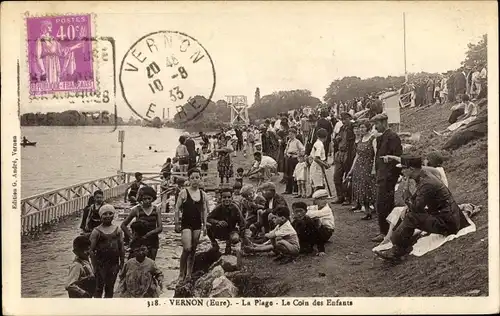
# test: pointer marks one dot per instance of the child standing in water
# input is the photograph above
(106, 252)
(140, 277)
(81, 279)
(150, 214)
(192, 202)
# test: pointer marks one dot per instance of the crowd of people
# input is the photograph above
(356, 140)
(448, 87)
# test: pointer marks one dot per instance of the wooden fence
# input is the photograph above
(50, 207)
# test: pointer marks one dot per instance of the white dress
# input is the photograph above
(315, 171)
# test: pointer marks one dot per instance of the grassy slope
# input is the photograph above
(351, 269)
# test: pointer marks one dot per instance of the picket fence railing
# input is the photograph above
(50, 207)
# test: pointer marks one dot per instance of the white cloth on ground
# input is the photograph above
(432, 241)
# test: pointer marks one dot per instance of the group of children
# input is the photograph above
(100, 250)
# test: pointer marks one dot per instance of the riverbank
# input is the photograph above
(458, 268)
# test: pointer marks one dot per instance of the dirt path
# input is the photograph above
(458, 268)
(348, 269)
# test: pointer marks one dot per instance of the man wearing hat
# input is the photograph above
(344, 157)
(387, 174)
(431, 208)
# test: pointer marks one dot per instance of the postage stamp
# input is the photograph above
(167, 71)
(59, 54)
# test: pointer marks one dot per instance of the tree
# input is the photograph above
(221, 103)
(281, 101)
(352, 87)
(477, 54)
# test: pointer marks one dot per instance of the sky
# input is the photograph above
(282, 46)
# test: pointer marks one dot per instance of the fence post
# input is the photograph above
(121, 139)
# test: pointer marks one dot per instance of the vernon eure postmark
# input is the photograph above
(59, 51)
(167, 71)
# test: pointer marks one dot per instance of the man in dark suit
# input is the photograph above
(387, 173)
(460, 82)
(324, 123)
(431, 208)
(343, 157)
(311, 137)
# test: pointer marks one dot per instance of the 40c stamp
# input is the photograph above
(57, 50)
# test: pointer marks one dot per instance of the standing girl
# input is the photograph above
(150, 214)
(193, 204)
(363, 169)
(106, 252)
(182, 154)
(224, 164)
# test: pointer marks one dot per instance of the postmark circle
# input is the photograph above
(166, 74)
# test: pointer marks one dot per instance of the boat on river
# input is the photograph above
(28, 143)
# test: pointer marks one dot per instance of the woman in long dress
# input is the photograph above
(363, 169)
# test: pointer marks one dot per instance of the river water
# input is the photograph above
(66, 155)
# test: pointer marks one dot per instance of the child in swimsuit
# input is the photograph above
(107, 252)
(193, 203)
(150, 214)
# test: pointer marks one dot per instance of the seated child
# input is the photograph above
(303, 226)
(260, 201)
(237, 198)
(239, 175)
(140, 277)
(323, 222)
(225, 222)
(81, 278)
(283, 238)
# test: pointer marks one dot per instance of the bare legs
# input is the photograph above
(189, 239)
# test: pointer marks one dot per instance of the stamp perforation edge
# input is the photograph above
(93, 32)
